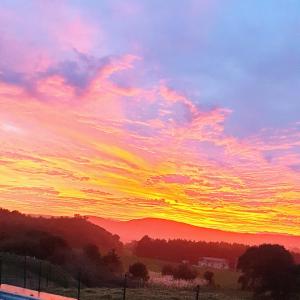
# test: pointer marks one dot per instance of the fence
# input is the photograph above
(39, 275)
(34, 274)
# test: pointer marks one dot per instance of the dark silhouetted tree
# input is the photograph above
(177, 250)
(243, 280)
(209, 277)
(92, 253)
(139, 271)
(113, 262)
(167, 270)
(184, 271)
(268, 268)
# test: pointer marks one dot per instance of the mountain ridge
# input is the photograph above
(168, 229)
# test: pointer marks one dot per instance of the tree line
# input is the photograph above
(178, 250)
(72, 243)
(14, 223)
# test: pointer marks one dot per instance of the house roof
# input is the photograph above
(215, 259)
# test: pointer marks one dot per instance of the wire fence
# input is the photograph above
(34, 274)
(42, 276)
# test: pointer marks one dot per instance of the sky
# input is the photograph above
(183, 110)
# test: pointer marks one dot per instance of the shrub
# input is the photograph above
(184, 271)
(167, 270)
(139, 270)
(209, 276)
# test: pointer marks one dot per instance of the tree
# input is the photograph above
(92, 253)
(139, 270)
(61, 250)
(113, 262)
(209, 277)
(243, 281)
(296, 276)
(37, 244)
(268, 268)
(167, 270)
(184, 271)
(177, 250)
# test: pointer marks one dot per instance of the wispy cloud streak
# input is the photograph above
(107, 134)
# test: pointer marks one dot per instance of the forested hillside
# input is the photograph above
(177, 250)
(72, 243)
(77, 232)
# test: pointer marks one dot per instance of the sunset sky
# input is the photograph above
(184, 110)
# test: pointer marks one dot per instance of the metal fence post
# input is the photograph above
(197, 292)
(25, 272)
(40, 276)
(48, 274)
(1, 269)
(124, 287)
(79, 285)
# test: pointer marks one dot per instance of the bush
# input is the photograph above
(184, 271)
(167, 270)
(92, 253)
(113, 262)
(209, 276)
(139, 271)
(269, 269)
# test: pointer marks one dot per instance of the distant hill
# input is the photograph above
(77, 232)
(166, 229)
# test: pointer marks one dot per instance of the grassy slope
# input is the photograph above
(227, 279)
(13, 273)
(154, 294)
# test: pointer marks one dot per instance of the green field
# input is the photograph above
(226, 279)
(59, 282)
(154, 265)
(154, 294)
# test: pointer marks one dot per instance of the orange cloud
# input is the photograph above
(102, 152)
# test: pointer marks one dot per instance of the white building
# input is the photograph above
(213, 262)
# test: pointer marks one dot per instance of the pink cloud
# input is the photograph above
(173, 178)
(87, 141)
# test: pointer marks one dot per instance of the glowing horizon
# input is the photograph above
(97, 124)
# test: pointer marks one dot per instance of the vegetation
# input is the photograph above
(139, 271)
(77, 232)
(267, 271)
(184, 271)
(178, 250)
(181, 271)
(113, 262)
(154, 265)
(209, 277)
(55, 242)
(51, 274)
(60, 282)
(167, 270)
(151, 293)
(270, 269)
(227, 279)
